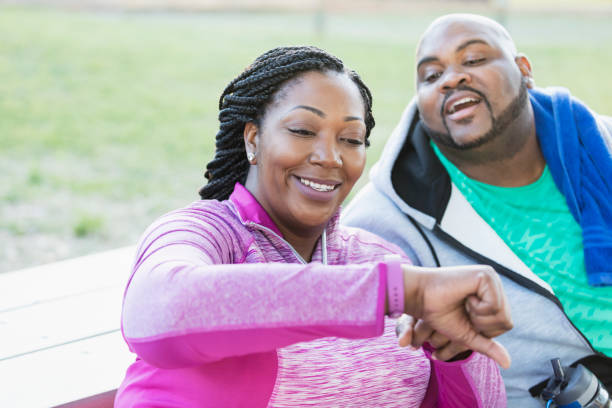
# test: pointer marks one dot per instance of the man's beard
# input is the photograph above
(498, 125)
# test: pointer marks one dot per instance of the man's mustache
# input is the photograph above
(463, 88)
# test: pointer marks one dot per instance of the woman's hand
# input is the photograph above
(415, 332)
(460, 308)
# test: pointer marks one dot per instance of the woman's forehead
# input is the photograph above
(320, 88)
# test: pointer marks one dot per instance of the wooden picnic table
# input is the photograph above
(60, 339)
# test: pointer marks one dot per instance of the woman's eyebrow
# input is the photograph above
(321, 114)
(310, 109)
(351, 118)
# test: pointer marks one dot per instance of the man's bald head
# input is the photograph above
(447, 23)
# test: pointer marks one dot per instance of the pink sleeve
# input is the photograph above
(183, 307)
(473, 382)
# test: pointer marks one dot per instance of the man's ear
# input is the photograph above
(251, 141)
(524, 66)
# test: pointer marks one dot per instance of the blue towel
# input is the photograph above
(581, 166)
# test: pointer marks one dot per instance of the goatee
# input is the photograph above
(498, 124)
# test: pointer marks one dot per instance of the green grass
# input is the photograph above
(108, 119)
(88, 225)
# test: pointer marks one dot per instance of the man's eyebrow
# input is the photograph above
(462, 46)
(425, 60)
(310, 109)
(470, 42)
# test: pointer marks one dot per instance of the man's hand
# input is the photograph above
(461, 308)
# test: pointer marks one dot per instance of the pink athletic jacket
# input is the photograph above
(222, 312)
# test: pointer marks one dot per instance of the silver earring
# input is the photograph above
(250, 157)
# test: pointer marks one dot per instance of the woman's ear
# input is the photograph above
(251, 140)
(525, 67)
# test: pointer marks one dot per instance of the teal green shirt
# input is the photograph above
(536, 223)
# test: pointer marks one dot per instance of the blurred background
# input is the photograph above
(108, 108)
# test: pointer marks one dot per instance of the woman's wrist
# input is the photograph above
(414, 281)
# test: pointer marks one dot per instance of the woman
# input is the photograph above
(255, 296)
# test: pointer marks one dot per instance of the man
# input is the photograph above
(485, 168)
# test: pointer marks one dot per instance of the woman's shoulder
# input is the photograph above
(203, 211)
(203, 218)
(361, 243)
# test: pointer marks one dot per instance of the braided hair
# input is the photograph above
(245, 100)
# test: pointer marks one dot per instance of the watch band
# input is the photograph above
(395, 286)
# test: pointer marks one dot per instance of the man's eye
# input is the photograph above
(301, 132)
(432, 77)
(475, 61)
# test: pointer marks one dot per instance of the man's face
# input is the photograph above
(469, 87)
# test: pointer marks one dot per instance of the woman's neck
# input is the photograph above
(304, 242)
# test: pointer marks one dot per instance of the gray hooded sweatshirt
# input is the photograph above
(411, 201)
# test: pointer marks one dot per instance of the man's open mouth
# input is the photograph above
(461, 103)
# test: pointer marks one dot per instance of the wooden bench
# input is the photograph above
(60, 339)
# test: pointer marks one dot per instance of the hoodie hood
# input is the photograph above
(410, 173)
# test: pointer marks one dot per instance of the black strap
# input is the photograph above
(427, 241)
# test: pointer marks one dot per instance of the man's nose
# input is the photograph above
(452, 78)
(326, 152)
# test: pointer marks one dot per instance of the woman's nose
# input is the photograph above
(326, 153)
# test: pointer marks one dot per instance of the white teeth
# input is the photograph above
(467, 99)
(317, 186)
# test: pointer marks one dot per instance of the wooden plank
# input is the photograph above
(59, 331)
(65, 373)
(53, 322)
(29, 286)
(104, 400)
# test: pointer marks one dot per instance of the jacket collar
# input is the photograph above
(249, 209)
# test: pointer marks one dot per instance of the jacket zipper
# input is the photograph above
(512, 275)
(298, 256)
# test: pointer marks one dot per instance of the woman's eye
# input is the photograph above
(352, 141)
(301, 132)
(475, 61)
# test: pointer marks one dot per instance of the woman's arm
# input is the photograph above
(473, 382)
(185, 305)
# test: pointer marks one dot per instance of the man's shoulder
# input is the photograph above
(369, 209)
(606, 122)
(374, 211)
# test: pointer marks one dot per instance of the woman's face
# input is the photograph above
(309, 150)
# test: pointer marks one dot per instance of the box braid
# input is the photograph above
(245, 100)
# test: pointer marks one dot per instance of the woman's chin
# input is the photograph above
(314, 218)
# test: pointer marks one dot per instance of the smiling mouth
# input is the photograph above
(318, 186)
(462, 103)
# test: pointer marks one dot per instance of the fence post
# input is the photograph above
(319, 18)
(501, 11)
